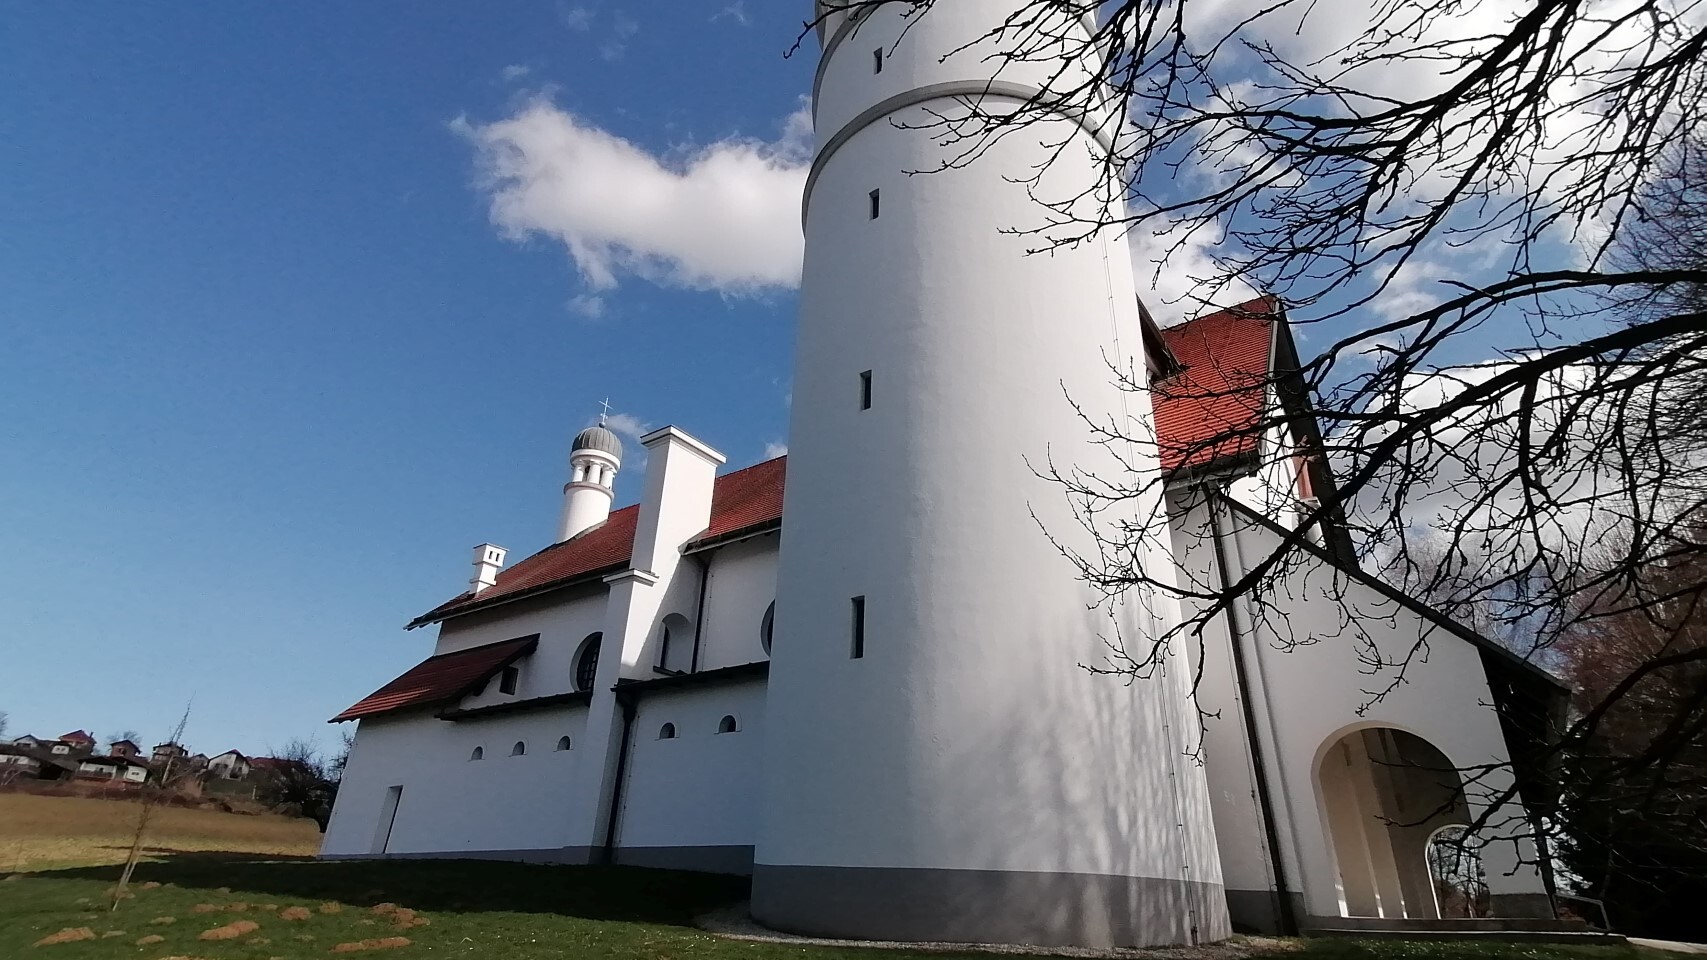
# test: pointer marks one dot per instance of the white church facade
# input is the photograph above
(856, 673)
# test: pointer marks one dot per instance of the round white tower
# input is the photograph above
(594, 459)
(939, 763)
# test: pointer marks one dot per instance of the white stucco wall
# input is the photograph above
(742, 586)
(996, 749)
(700, 789)
(451, 804)
(1312, 684)
(562, 620)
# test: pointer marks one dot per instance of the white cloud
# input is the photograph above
(587, 305)
(736, 11)
(515, 71)
(626, 425)
(1178, 277)
(578, 18)
(722, 217)
(774, 449)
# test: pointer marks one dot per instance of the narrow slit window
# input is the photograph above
(877, 60)
(865, 390)
(876, 206)
(858, 649)
(507, 680)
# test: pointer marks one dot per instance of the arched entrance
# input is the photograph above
(1385, 794)
(1460, 883)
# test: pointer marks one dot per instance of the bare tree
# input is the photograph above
(126, 734)
(154, 792)
(3, 719)
(1485, 215)
(298, 781)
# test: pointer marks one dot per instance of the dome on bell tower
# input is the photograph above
(600, 439)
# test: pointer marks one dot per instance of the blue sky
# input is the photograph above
(299, 304)
(270, 368)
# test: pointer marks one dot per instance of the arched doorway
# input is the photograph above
(1455, 866)
(1385, 794)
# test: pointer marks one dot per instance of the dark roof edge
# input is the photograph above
(741, 533)
(577, 698)
(739, 672)
(1396, 595)
(438, 614)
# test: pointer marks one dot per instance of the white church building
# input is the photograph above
(858, 673)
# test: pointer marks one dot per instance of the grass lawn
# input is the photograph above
(42, 832)
(474, 910)
(301, 908)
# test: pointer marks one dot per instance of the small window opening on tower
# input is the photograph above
(667, 732)
(507, 680)
(877, 60)
(875, 205)
(728, 725)
(858, 649)
(519, 749)
(865, 390)
(563, 743)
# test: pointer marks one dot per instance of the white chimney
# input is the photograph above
(488, 560)
(594, 459)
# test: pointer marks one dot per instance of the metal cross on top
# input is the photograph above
(605, 414)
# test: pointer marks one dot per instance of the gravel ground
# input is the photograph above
(735, 924)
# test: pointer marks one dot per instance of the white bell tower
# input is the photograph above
(594, 459)
(939, 764)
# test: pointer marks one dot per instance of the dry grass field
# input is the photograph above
(39, 832)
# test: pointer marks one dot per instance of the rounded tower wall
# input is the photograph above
(966, 778)
(916, 56)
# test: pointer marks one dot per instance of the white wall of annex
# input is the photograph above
(1314, 684)
(701, 788)
(1228, 764)
(451, 804)
(742, 586)
(561, 619)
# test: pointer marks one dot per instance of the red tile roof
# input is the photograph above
(1204, 414)
(746, 498)
(1224, 354)
(436, 680)
(77, 736)
(1199, 415)
(738, 500)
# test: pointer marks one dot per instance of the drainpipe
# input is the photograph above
(704, 561)
(1265, 802)
(626, 702)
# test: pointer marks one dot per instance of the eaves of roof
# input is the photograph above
(678, 681)
(578, 698)
(1498, 651)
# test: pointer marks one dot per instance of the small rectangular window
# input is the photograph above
(507, 682)
(865, 390)
(858, 650)
(874, 204)
(877, 60)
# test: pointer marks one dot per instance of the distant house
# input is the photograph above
(18, 758)
(77, 743)
(229, 765)
(124, 748)
(167, 751)
(27, 742)
(128, 769)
